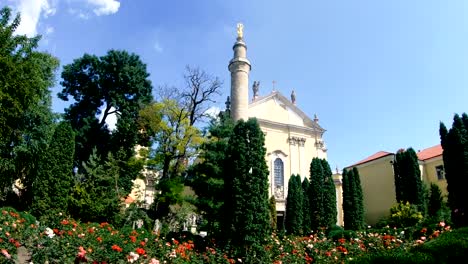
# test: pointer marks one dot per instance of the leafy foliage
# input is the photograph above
(353, 206)
(306, 220)
(455, 156)
(322, 195)
(25, 119)
(247, 220)
(408, 183)
(404, 215)
(96, 195)
(206, 175)
(116, 83)
(294, 206)
(53, 185)
(435, 202)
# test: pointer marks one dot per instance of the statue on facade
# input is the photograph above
(255, 88)
(240, 31)
(293, 97)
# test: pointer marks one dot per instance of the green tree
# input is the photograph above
(408, 183)
(273, 215)
(329, 200)
(95, 196)
(172, 139)
(53, 185)
(435, 200)
(26, 119)
(306, 220)
(322, 195)
(353, 207)
(294, 206)
(116, 83)
(316, 194)
(246, 221)
(206, 175)
(359, 199)
(455, 155)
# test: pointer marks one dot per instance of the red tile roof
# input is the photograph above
(375, 156)
(430, 153)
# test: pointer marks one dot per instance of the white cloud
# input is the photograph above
(157, 47)
(49, 30)
(213, 111)
(104, 7)
(31, 11)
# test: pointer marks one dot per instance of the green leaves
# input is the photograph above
(322, 195)
(294, 206)
(353, 204)
(116, 83)
(25, 119)
(455, 156)
(247, 220)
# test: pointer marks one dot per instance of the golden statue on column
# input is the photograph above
(240, 31)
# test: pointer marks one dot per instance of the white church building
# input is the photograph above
(292, 139)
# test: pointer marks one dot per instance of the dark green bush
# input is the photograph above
(450, 247)
(395, 256)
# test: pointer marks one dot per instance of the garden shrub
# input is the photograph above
(399, 256)
(448, 248)
(404, 215)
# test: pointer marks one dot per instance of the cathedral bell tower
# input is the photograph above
(239, 67)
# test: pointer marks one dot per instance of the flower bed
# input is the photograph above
(67, 241)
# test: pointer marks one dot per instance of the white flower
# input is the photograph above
(49, 232)
(132, 257)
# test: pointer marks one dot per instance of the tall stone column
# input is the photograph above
(239, 67)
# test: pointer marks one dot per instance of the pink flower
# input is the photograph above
(442, 224)
(82, 252)
(154, 261)
(5, 253)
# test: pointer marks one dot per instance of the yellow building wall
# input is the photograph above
(378, 187)
(430, 174)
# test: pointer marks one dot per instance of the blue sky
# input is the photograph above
(380, 75)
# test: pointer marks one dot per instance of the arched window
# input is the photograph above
(279, 172)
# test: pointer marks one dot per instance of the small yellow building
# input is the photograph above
(378, 182)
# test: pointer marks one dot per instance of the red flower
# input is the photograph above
(342, 240)
(90, 230)
(142, 243)
(99, 239)
(56, 231)
(133, 238)
(116, 248)
(64, 222)
(140, 251)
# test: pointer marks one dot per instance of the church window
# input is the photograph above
(279, 172)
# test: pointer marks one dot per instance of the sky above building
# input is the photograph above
(380, 75)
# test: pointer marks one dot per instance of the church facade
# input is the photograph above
(292, 139)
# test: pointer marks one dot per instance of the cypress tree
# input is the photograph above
(353, 206)
(305, 207)
(329, 200)
(347, 199)
(322, 195)
(455, 155)
(294, 206)
(435, 200)
(247, 217)
(273, 216)
(316, 194)
(53, 185)
(408, 183)
(358, 199)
